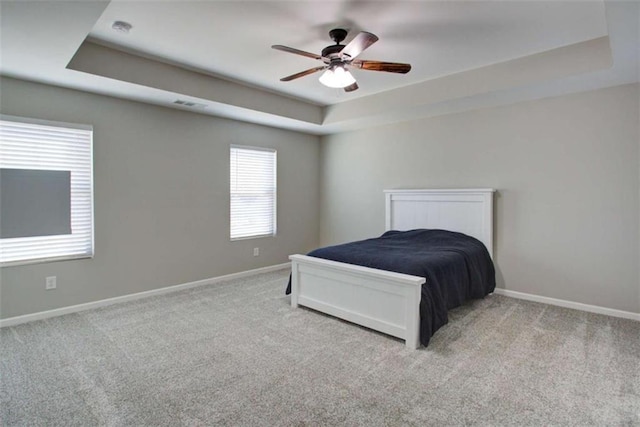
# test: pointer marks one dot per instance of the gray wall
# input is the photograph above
(567, 171)
(567, 211)
(161, 179)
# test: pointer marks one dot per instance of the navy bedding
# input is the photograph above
(457, 268)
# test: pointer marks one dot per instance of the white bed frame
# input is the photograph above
(382, 300)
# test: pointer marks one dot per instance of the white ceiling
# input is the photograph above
(234, 38)
(463, 54)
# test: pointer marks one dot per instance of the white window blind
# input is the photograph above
(38, 145)
(253, 192)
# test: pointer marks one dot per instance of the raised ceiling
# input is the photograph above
(233, 39)
(217, 54)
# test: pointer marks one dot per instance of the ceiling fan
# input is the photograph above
(338, 58)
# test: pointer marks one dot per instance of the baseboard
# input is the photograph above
(11, 321)
(569, 304)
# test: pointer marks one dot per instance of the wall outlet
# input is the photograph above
(50, 283)
(256, 251)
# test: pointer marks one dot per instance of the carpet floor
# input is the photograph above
(236, 353)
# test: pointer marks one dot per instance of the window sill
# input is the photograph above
(44, 260)
(262, 236)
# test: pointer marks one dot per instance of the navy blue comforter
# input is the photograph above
(457, 268)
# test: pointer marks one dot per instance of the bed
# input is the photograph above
(387, 301)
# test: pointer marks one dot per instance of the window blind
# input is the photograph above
(253, 192)
(37, 145)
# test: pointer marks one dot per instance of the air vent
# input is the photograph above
(189, 104)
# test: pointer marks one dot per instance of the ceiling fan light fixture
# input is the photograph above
(337, 77)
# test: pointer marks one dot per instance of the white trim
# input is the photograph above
(442, 190)
(32, 121)
(44, 260)
(569, 304)
(11, 321)
(253, 147)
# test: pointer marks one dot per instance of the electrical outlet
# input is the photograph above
(50, 283)
(256, 251)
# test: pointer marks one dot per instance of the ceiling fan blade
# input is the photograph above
(296, 51)
(351, 88)
(389, 67)
(359, 43)
(302, 74)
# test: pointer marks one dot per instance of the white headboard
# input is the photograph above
(468, 211)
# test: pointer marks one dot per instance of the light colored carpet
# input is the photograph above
(235, 353)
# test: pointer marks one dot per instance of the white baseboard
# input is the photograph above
(569, 304)
(11, 321)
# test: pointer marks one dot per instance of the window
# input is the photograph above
(253, 192)
(46, 181)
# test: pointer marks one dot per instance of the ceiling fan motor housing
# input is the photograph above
(331, 51)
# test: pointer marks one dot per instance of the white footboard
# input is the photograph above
(381, 300)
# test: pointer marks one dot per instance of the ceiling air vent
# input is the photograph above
(189, 104)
